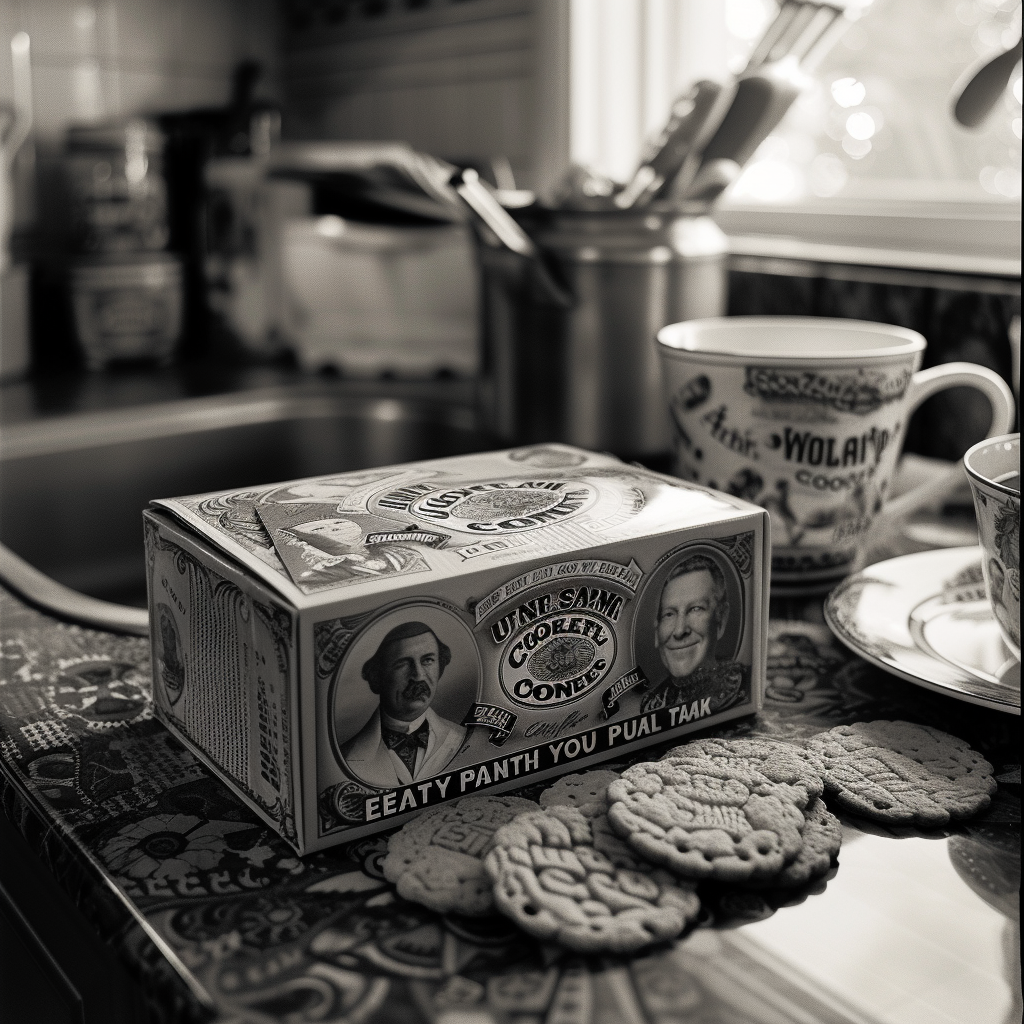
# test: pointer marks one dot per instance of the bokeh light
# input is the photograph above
(848, 92)
(860, 126)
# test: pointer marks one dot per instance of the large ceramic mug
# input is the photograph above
(806, 417)
(993, 467)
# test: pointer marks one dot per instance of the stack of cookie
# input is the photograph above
(744, 811)
(610, 862)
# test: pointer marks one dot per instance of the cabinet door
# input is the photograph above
(54, 969)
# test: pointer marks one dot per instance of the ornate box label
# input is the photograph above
(413, 635)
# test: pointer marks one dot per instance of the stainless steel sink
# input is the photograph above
(72, 488)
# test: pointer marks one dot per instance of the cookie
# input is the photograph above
(563, 875)
(437, 859)
(580, 789)
(822, 838)
(702, 821)
(778, 761)
(902, 773)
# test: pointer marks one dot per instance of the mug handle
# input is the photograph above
(926, 383)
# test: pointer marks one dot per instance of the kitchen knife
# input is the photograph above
(695, 116)
(477, 196)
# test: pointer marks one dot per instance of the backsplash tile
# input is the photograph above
(119, 57)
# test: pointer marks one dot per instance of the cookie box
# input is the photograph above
(346, 650)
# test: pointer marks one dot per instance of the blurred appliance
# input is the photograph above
(126, 289)
(373, 298)
(238, 134)
(354, 255)
(240, 286)
(117, 188)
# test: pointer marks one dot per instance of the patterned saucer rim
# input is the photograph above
(900, 580)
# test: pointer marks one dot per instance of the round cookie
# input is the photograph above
(778, 761)
(437, 859)
(580, 789)
(822, 838)
(561, 874)
(702, 821)
(902, 773)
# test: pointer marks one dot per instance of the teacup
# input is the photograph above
(806, 417)
(993, 468)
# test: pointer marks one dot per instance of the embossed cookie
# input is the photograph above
(702, 821)
(580, 790)
(822, 838)
(437, 859)
(902, 773)
(561, 874)
(778, 761)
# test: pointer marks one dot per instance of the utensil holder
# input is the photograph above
(587, 373)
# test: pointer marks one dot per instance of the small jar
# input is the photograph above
(117, 186)
(127, 309)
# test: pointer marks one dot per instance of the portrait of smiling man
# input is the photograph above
(691, 619)
(404, 741)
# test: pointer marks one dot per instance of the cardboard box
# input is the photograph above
(346, 650)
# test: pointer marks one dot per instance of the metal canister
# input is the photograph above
(587, 372)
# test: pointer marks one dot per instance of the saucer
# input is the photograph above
(925, 618)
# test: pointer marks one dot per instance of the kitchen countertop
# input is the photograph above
(215, 917)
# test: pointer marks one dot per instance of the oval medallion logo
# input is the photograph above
(556, 660)
(503, 507)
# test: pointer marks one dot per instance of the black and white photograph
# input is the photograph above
(509, 511)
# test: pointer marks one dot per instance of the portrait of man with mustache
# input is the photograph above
(404, 741)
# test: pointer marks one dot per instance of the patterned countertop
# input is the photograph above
(216, 917)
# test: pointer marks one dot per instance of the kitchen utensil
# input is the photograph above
(761, 101)
(711, 181)
(587, 373)
(993, 468)
(766, 92)
(788, 40)
(978, 90)
(506, 230)
(478, 197)
(805, 416)
(783, 18)
(924, 618)
(695, 116)
(15, 125)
